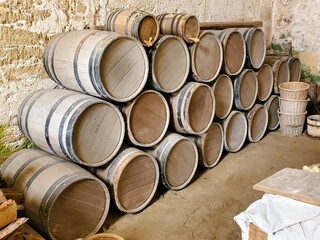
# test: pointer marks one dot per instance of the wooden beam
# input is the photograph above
(25, 232)
(223, 25)
(8, 212)
(12, 227)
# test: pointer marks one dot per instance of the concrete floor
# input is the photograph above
(204, 210)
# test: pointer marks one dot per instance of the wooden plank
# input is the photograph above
(223, 25)
(293, 183)
(8, 212)
(13, 194)
(25, 232)
(12, 227)
(256, 233)
(2, 197)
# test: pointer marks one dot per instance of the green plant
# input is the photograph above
(306, 73)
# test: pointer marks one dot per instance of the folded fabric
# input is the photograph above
(281, 218)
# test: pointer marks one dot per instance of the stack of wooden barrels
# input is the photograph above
(144, 100)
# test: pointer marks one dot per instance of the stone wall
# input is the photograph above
(27, 25)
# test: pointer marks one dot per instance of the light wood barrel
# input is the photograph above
(235, 129)
(147, 118)
(99, 63)
(223, 94)
(132, 178)
(183, 25)
(206, 57)
(178, 159)
(210, 145)
(281, 72)
(272, 106)
(234, 50)
(84, 129)
(265, 82)
(193, 108)
(295, 69)
(245, 89)
(170, 64)
(62, 199)
(255, 46)
(257, 122)
(135, 23)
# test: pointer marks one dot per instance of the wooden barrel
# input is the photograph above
(98, 63)
(135, 23)
(257, 122)
(295, 69)
(265, 82)
(84, 129)
(234, 50)
(281, 72)
(183, 25)
(235, 129)
(245, 89)
(272, 106)
(193, 108)
(255, 46)
(147, 118)
(132, 178)
(61, 199)
(206, 57)
(223, 94)
(170, 63)
(104, 236)
(178, 159)
(210, 145)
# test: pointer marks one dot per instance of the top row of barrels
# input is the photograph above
(113, 65)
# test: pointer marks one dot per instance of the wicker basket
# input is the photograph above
(293, 106)
(291, 124)
(294, 90)
(104, 236)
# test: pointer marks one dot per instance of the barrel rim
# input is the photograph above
(153, 57)
(69, 141)
(251, 115)
(250, 33)
(193, 50)
(117, 170)
(225, 126)
(232, 95)
(268, 104)
(128, 120)
(164, 163)
(271, 82)
(237, 86)
(97, 63)
(202, 150)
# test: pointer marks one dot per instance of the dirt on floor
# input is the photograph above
(204, 210)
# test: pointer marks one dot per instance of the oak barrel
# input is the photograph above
(255, 46)
(99, 63)
(61, 199)
(272, 106)
(281, 72)
(223, 94)
(245, 89)
(183, 25)
(132, 178)
(169, 63)
(234, 50)
(135, 23)
(193, 108)
(206, 57)
(295, 68)
(72, 125)
(147, 118)
(210, 145)
(235, 129)
(265, 82)
(178, 159)
(257, 122)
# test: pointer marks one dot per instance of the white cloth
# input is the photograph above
(282, 218)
